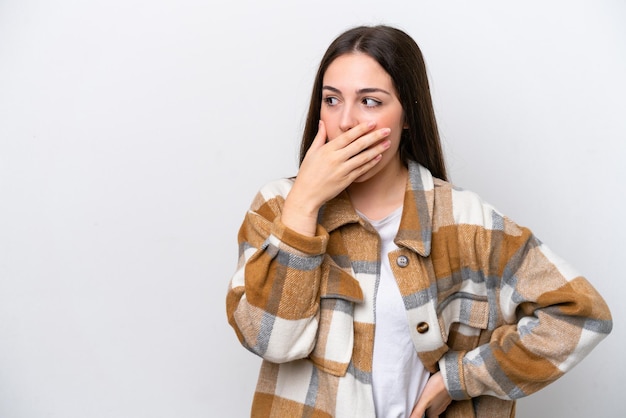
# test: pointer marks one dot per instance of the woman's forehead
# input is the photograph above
(356, 70)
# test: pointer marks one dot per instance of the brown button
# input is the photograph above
(422, 327)
(402, 261)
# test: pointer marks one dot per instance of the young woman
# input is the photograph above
(372, 287)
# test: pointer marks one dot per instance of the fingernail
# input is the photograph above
(371, 124)
(385, 131)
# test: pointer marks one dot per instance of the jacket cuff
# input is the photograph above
(304, 244)
(451, 367)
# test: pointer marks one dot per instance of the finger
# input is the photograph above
(417, 413)
(368, 155)
(350, 136)
(367, 141)
(358, 169)
(320, 137)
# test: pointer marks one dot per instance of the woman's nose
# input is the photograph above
(348, 119)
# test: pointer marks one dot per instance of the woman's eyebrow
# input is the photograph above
(372, 90)
(360, 91)
(333, 89)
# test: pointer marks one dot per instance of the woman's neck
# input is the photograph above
(380, 195)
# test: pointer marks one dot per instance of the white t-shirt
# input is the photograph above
(398, 375)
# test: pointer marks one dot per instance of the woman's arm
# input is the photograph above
(273, 298)
(547, 318)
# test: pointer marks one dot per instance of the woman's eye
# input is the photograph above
(331, 101)
(369, 102)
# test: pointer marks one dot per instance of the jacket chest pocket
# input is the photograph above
(466, 321)
(335, 334)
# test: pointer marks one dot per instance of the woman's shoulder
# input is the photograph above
(275, 188)
(273, 191)
(468, 207)
(460, 196)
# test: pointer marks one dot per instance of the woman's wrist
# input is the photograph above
(300, 216)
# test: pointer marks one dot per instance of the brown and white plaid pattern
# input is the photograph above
(488, 304)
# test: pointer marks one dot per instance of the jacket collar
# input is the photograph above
(416, 223)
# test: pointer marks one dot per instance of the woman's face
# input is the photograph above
(356, 89)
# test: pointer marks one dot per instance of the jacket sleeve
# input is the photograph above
(273, 297)
(544, 317)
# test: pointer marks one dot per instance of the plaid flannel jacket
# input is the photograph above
(488, 304)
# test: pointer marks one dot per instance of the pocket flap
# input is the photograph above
(337, 283)
(466, 309)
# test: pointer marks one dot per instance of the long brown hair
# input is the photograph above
(402, 59)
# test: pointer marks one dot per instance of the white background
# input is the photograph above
(134, 133)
